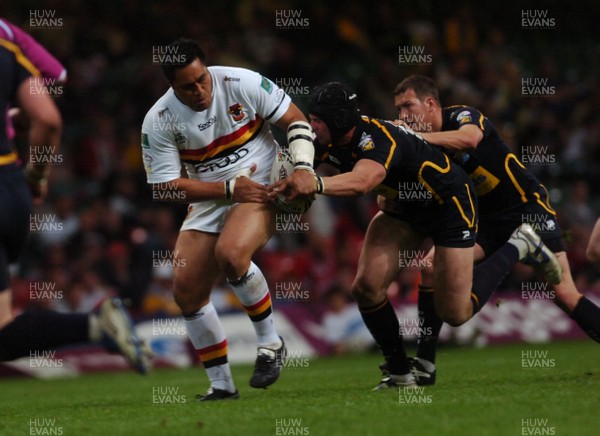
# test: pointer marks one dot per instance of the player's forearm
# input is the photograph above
(44, 140)
(454, 140)
(346, 185)
(188, 191)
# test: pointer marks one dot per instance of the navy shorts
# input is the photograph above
(451, 224)
(15, 201)
(495, 230)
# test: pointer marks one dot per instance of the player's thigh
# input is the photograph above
(5, 307)
(566, 295)
(379, 259)
(195, 268)
(593, 248)
(453, 280)
(427, 273)
(248, 227)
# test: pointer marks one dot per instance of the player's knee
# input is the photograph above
(593, 254)
(455, 318)
(189, 303)
(233, 259)
(187, 295)
(365, 292)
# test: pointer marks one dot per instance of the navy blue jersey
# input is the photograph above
(410, 161)
(434, 195)
(14, 192)
(15, 67)
(501, 181)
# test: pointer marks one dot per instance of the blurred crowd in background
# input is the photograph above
(111, 229)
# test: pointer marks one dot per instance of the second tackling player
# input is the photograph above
(508, 195)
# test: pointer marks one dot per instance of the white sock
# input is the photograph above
(253, 292)
(206, 333)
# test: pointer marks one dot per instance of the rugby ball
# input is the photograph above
(282, 167)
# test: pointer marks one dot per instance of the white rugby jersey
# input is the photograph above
(217, 143)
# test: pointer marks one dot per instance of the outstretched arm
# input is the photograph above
(364, 177)
(466, 138)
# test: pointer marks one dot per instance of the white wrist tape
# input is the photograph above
(229, 185)
(299, 136)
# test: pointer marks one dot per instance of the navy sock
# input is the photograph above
(430, 325)
(382, 322)
(488, 274)
(41, 330)
(587, 316)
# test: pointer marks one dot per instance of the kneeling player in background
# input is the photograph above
(508, 195)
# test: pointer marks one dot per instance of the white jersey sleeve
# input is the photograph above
(159, 153)
(270, 101)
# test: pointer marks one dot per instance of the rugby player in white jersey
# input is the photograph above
(215, 121)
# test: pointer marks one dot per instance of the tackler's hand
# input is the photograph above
(302, 183)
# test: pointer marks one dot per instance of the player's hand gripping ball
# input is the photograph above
(283, 166)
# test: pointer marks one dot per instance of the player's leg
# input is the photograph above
(423, 365)
(378, 266)
(566, 295)
(5, 307)
(430, 324)
(453, 306)
(248, 227)
(452, 281)
(194, 274)
(593, 248)
(40, 330)
(35, 331)
(585, 313)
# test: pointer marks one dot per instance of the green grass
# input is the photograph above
(479, 392)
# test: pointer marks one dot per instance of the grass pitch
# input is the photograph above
(504, 390)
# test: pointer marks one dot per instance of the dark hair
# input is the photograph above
(423, 87)
(184, 51)
(335, 103)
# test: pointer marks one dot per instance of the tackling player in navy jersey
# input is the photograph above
(508, 195)
(376, 155)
